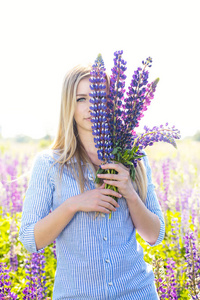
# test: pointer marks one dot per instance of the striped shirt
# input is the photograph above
(97, 258)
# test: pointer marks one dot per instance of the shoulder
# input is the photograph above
(147, 167)
(47, 155)
(44, 160)
(43, 166)
(145, 159)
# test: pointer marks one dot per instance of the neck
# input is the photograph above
(87, 140)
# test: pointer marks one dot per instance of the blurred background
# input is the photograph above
(42, 40)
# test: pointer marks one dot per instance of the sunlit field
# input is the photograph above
(176, 261)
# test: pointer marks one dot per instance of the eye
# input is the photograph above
(80, 99)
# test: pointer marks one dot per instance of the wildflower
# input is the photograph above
(100, 128)
(115, 116)
(193, 265)
(171, 280)
(36, 280)
(5, 284)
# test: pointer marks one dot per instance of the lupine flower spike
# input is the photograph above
(192, 257)
(100, 128)
(115, 116)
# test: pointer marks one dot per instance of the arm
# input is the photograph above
(47, 229)
(147, 218)
(38, 201)
(39, 228)
(146, 222)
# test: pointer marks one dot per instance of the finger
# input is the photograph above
(110, 176)
(112, 182)
(103, 210)
(111, 192)
(107, 205)
(112, 201)
(115, 166)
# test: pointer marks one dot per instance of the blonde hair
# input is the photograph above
(67, 141)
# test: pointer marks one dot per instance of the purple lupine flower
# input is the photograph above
(138, 98)
(165, 281)
(171, 291)
(161, 286)
(185, 195)
(193, 265)
(14, 190)
(36, 280)
(5, 284)
(157, 134)
(13, 239)
(100, 128)
(116, 96)
(166, 182)
(175, 229)
(115, 118)
(54, 249)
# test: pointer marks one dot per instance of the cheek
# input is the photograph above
(78, 111)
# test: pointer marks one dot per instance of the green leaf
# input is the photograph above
(129, 163)
(116, 149)
(99, 171)
(132, 172)
(134, 150)
(125, 154)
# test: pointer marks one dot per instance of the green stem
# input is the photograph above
(112, 187)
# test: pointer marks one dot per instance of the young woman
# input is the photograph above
(97, 257)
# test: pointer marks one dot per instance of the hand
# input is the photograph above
(97, 200)
(122, 180)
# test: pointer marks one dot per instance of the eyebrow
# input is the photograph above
(81, 95)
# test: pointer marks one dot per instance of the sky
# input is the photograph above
(42, 39)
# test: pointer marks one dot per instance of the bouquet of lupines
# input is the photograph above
(116, 115)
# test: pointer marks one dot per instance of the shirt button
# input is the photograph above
(107, 260)
(105, 238)
(109, 283)
(103, 215)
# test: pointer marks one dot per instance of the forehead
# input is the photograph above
(83, 86)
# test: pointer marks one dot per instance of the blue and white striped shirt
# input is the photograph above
(96, 258)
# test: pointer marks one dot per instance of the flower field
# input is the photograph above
(176, 261)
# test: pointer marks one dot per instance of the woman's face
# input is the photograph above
(82, 110)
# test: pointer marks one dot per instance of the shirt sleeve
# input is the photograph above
(38, 201)
(152, 202)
